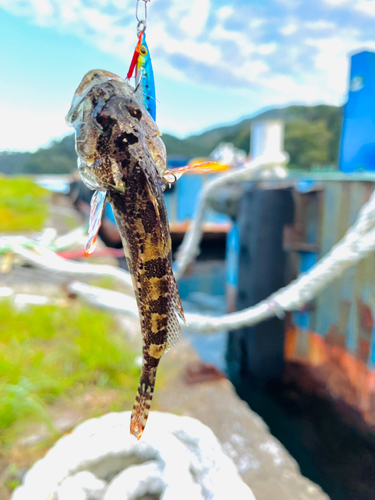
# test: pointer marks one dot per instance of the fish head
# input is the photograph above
(113, 130)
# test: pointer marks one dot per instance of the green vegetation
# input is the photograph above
(59, 158)
(12, 163)
(312, 135)
(308, 143)
(307, 130)
(23, 205)
(51, 354)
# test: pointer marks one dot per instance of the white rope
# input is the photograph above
(46, 259)
(358, 243)
(189, 248)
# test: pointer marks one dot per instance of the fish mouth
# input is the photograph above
(90, 80)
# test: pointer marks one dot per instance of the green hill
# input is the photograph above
(312, 135)
(311, 138)
(12, 163)
(59, 158)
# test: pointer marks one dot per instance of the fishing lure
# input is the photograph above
(120, 152)
(145, 78)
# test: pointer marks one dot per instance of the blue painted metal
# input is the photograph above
(327, 316)
(372, 354)
(307, 260)
(358, 132)
(177, 161)
(345, 310)
(187, 190)
(182, 200)
(301, 319)
(336, 332)
(232, 255)
(305, 185)
(352, 329)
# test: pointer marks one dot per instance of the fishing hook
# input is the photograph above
(141, 22)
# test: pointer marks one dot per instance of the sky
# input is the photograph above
(215, 61)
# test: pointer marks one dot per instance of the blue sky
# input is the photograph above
(214, 61)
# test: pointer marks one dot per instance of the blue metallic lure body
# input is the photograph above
(145, 79)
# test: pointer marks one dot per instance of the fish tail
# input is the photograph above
(141, 407)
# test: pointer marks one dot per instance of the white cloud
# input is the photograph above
(339, 3)
(290, 4)
(266, 48)
(224, 12)
(257, 22)
(289, 29)
(282, 53)
(250, 71)
(195, 18)
(366, 6)
(319, 25)
(331, 61)
(43, 7)
(362, 6)
(241, 40)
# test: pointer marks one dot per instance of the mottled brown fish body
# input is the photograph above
(148, 251)
(120, 152)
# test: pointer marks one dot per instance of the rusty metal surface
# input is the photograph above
(336, 333)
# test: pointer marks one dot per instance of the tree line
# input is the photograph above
(312, 135)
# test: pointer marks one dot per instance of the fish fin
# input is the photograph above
(97, 207)
(173, 326)
(141, 409)
(175, 302)
(142, 404)
(172, 175)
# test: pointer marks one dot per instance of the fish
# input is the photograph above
(120, 153)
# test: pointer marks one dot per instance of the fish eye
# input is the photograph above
(100, 117)
(137, 113)
(143, 51)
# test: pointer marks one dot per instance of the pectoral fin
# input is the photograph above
(96, 213)
(171, 176)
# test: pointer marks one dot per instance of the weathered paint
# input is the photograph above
(336, 335)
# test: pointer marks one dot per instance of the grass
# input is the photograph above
(51, 354)
(23, 205)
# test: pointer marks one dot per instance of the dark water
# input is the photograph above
(329, 447)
